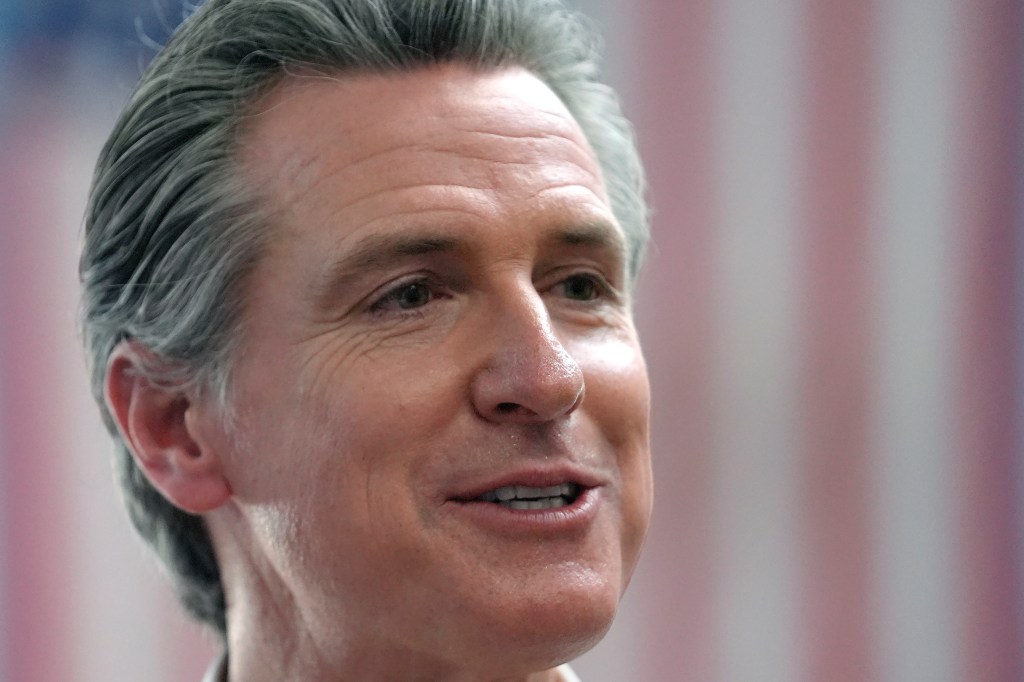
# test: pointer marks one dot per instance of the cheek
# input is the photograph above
(618, 401)
(617, 387)
(373, 443)
(400, 416)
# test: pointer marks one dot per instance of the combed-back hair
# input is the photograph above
(171, 232)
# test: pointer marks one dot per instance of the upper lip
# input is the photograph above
(533, 477)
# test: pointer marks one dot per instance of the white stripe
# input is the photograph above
(755, 372)
(914, 246)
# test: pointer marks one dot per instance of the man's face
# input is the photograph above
(442, 315)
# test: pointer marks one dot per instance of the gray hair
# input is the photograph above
(171, 232)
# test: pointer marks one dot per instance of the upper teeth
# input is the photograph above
(524, 492)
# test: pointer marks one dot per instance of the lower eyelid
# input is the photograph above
(387, 303)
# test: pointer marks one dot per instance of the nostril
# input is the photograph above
(507, 408)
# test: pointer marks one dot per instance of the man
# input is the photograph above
(357, 286)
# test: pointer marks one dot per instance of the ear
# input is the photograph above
(160, 426)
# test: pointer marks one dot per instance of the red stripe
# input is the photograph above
(989, 181)
(674, 119)
(836, 352)
(35, 507)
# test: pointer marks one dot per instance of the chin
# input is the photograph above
(550, 627)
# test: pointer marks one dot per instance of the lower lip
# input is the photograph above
(499, 518)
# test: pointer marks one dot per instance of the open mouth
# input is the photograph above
(528, 498)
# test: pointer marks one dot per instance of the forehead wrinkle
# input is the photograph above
(351, 168)
(557, 137)
(413, 185)
(564, 132)
(560, 117)
(320, 168)
(537, 147)
(565, 185)
(464, 150)
(463, 184)
(319, 163)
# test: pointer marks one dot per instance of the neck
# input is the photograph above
(275, 635)
(271, 642)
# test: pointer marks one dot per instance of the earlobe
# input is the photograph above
(159, 426)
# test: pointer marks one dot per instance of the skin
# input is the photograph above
(443, 309)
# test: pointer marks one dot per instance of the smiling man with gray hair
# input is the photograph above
(357, 298)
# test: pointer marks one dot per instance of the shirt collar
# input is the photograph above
(567, 674)
(218, 671)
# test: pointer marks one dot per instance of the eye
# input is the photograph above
(407, 296)
(581, 287)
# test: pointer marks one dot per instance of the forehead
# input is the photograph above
(302, 110)
(344, 138)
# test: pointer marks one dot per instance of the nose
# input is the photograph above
(528, 376)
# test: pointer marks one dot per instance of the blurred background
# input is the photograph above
(833, 313)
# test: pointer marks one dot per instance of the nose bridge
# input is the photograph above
(532, 322)
(529, 373)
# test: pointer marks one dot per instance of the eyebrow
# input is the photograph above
(373, 253)
(378, 251)
(601, 236)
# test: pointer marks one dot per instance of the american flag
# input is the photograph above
(833, 315)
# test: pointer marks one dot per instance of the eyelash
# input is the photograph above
(601, 288)
(389, 301)
(391, 298)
